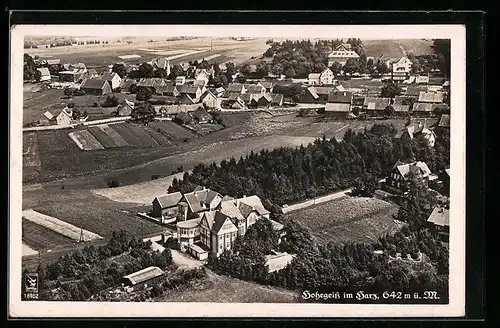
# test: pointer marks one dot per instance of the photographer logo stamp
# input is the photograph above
(31, 285)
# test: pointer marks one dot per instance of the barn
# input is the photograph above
(143, 278)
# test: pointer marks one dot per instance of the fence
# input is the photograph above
(315, 201)
(49, 127)
(108, 120)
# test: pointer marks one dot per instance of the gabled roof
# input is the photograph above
(160, 62)
(277, 98)
(424, 107)
(189, 89)
(417, 167)
(127, 83)
(96, 84)
(228, 207)
(201, 113)
(207, 93)
(267, 84)
(219, 220)
(440, 217)
(128, 103)
(66, 113)
(44, 71)
(313, 76)
(53, 61)
(267, 96)
(337, 107)
(339, 87)
(187, 97)
(92, 71)
(323, 90)
(152, 82)
(430, 97)
(235, 87)
(170, 89)
(109, 76)
(169, 200)
(398, 100)
(340, 97)
(414, 90)
(444, 121)
(343, 54)
(144, 275)
(219, 90)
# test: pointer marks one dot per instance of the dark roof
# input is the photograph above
(267, 84)
(94, 84)
(254, 88)
(444, 121)
(376, 103)
(170, 88)
(108, 76)
(190, 89)
(219, 220)
(340, 97)
(235, 87)
(401, 108)
(169, 200)
(414, 90)
(200, 113)
(183, 116)
(398, 100)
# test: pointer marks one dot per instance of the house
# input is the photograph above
(202, 116)
(142, 279)
(278, 261)
(53, 62)
(277, 100)
(431, 97)
(269, 85)
(168, 90)
(65, 117)
(96, 87)
(439, 222)
(169, 208)
(400, 100)
(126, 108)
(188, 233)
(423, 109)
(317, 94)
(444, 121)
(376, 105)
(305, 112)
(402, 66)
(113, 79)
(186, 99)
(201, 84)
(341, 55)
(397, 181)
(44, 74)
(127, 84)
(180, 80)
(46, 119)
(191, 90)
(152, 83)
(257, 89)
(184, 118)
(68, 76)
(325, 77)
(236, 88)
(413, 91)
(209, 100)
(203, 74)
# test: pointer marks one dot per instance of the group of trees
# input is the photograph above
(30, 72)
(88, 271)
(286, 174)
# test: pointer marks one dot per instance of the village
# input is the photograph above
(202, 222)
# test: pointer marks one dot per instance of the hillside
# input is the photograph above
(397, 48)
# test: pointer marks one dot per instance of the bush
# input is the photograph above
(71, 105)
(155, 176)
(95, 104)
(113, 184)
(111, 101)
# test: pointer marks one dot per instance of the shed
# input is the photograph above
(143, 277)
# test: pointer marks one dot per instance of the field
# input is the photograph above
(223, 289)
(205, 129)
(39, 237)
(350, 219)
(58, 226)
(397, 48)
(172, 130)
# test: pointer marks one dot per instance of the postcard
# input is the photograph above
(312, 171)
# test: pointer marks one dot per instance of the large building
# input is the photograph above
(341, 55)
(398, 179)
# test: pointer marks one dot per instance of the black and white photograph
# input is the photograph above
(279, 171)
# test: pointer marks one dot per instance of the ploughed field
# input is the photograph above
(349, 219)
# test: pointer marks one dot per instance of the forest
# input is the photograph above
(81, 274)
(286, 175)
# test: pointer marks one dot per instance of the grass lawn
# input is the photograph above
(223, 289)
(350, 219)
(89, 211)
(39, 237)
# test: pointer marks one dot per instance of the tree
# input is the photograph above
(352, 66)
(390, 90)
(29, 69)
(120, 70)
(269, 53)
(143, 94)
(369, 66)
(145, 71)
(245, 70)
(443, 47)
(176, 71)
(68, 92)
(382, 67)
(389, 111)
(290, 72)
(336, 68)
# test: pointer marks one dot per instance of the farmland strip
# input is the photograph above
(39, 237)
(145, 138)
(59, 226)
(118, 139)
(103, 138)
(124, 131)
(172, 130)
(85, 140)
